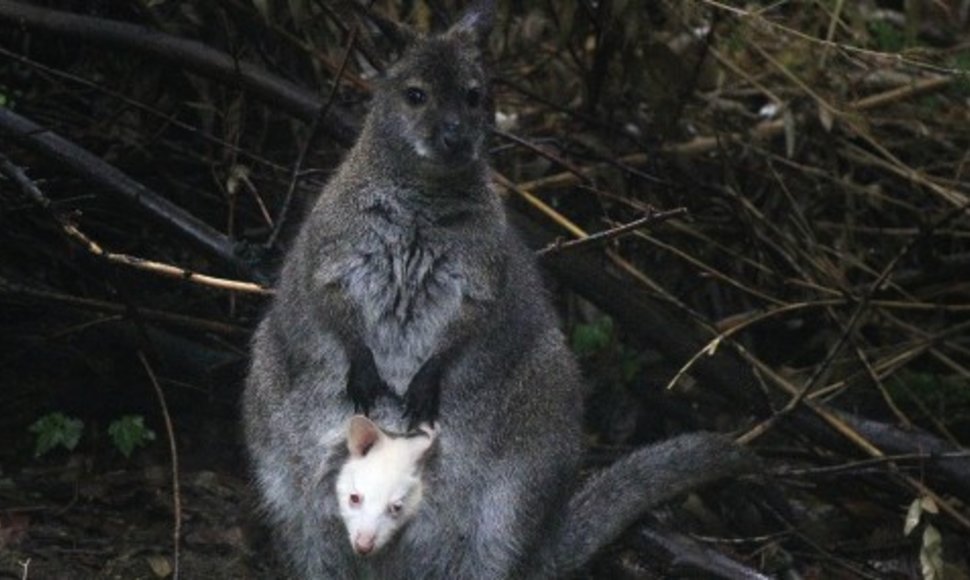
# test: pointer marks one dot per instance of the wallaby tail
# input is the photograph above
(616, 497)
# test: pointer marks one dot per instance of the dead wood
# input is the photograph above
(81, 162)
(190, 54)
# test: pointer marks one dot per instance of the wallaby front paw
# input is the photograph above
(365, 385)
(422, 397)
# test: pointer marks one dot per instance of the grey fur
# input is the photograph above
(616, 497)
(407, 255)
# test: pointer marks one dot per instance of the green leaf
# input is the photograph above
(593, 337)
(129, 432)
(887, 37)
(56, 430)
(631, 364)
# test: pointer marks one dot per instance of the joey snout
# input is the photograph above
(364, 543)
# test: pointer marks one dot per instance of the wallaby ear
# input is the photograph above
(362, 435)
(399, 33)
(476, 22)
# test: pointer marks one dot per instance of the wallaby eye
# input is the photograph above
(415, 96)
(473, 97)
(355, 499)
(395, 508)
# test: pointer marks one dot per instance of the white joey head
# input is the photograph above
(379, 487)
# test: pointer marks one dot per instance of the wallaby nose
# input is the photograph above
(451, 134)
(364, 543)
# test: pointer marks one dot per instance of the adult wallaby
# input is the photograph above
(406, 281)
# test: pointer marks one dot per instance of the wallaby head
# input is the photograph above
(379, 488)
(431, 104)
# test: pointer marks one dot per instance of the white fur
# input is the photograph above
(385, 478)
(421, 148)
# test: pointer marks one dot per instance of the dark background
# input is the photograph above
(819, 151)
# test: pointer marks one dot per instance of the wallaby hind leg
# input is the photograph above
(616, 497)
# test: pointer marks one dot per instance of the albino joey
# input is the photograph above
(379, 486)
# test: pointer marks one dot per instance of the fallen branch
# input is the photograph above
(191, 54)
(91, 167)
(166, 270)
(32, 191)
(687, 552)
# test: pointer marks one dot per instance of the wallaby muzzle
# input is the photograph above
(452, 143)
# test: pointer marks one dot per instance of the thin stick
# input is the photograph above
(711, 347)
(833, 24)
(863, 305)
(176, 493)
(314, 125)
(163, 269)
(569, 167)
(652, 217)
(25, 293)
(168, 118)
(764, 130)
(840, 427)
(862, 464)
(886, 56)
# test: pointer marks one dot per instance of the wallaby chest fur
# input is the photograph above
(407, 267)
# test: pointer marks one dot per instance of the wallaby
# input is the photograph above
(379, 487)
(406, 281)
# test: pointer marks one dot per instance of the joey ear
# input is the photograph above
(429, 429)
(423, 445)
(476, 22)
(362, 434)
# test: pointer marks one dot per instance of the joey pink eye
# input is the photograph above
(416, 96)
(355, 499)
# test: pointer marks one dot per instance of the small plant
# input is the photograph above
(8, 97)
(886, 36)
(56, 430)
(129, 432)
(588, 339)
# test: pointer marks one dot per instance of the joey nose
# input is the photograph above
(364, 543)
